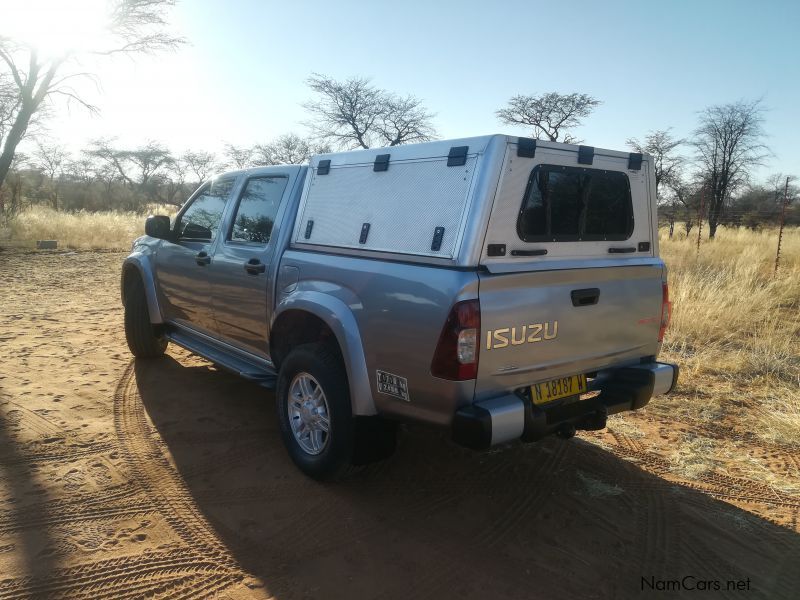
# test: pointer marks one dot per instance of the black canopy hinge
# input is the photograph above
(635, 161)
(457, 156)
(585, 155)
(438, 234)
(381, 162)
(526, 147)
(324, 167)
(364, 232)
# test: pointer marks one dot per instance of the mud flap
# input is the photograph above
(375, 439)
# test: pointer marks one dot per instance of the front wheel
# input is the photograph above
(314, 413)
(144, 339)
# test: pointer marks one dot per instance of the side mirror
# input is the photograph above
(157, 226)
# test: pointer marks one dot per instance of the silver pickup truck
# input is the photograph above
(506, 288)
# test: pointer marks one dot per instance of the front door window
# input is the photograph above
(200, 221)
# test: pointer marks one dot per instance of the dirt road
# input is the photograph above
(123, 479)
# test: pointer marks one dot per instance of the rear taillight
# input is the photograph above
(666, 311)
(456, 355)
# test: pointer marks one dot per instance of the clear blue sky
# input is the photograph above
(653, 64)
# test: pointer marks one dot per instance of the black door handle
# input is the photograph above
(536, 252)
(254, 266)
(202, 258)
(624, 250)
(585, 297)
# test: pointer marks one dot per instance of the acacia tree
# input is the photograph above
(133, 26)
(201, 164)
(729, 144)
(239, 157)
(171, 184)
(551, 115)
(81, 170)
(110, 160)
(687, 196)
(139, 169)
(288, 149)
(50, 159)
(150, 161)
(353, 113)
(666, 162)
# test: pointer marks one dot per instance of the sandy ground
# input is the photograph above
(123, 479)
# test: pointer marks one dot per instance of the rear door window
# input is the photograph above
(569, 204)
(258, 206)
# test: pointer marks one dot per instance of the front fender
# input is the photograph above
(338, 316)
(141, 263)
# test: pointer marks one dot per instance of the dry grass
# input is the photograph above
(737, 325)
(735, 333)
(80, 230)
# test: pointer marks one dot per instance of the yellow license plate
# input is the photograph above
(547, 391)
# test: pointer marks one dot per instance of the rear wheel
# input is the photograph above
(314, 412)
(144, 339)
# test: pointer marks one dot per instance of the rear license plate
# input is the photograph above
(547, 391)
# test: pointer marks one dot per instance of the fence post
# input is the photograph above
(700, 218)
(783, 220)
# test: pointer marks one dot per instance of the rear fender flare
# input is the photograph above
(338, 316)
(141, 264)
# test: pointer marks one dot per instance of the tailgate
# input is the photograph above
(558, 209)
(539, 325)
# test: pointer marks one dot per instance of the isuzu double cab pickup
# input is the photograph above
(506, 288)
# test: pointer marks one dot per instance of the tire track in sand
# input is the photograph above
(522, 495)
(201, 568)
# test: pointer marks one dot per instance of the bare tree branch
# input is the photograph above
(404, 121)
(549, 114)
(12, 67)
(134, 26)
(73, 96)
(238, 156)
(289, 149)
(355, 114)
(661, 146)
(201, 164)
(728, 143)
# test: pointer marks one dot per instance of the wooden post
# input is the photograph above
(783, 220)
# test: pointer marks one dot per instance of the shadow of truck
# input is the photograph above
(552, 520)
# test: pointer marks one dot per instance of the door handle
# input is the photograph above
(202, 258)
(585, 297)
(254, 266)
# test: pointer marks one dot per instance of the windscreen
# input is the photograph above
(575, 204)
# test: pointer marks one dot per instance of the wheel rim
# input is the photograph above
(308, 413)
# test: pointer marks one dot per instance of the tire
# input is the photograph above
(313, 395)
(144, 340)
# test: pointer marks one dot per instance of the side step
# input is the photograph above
(246, 366)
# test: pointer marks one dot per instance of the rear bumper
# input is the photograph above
(510, 417)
